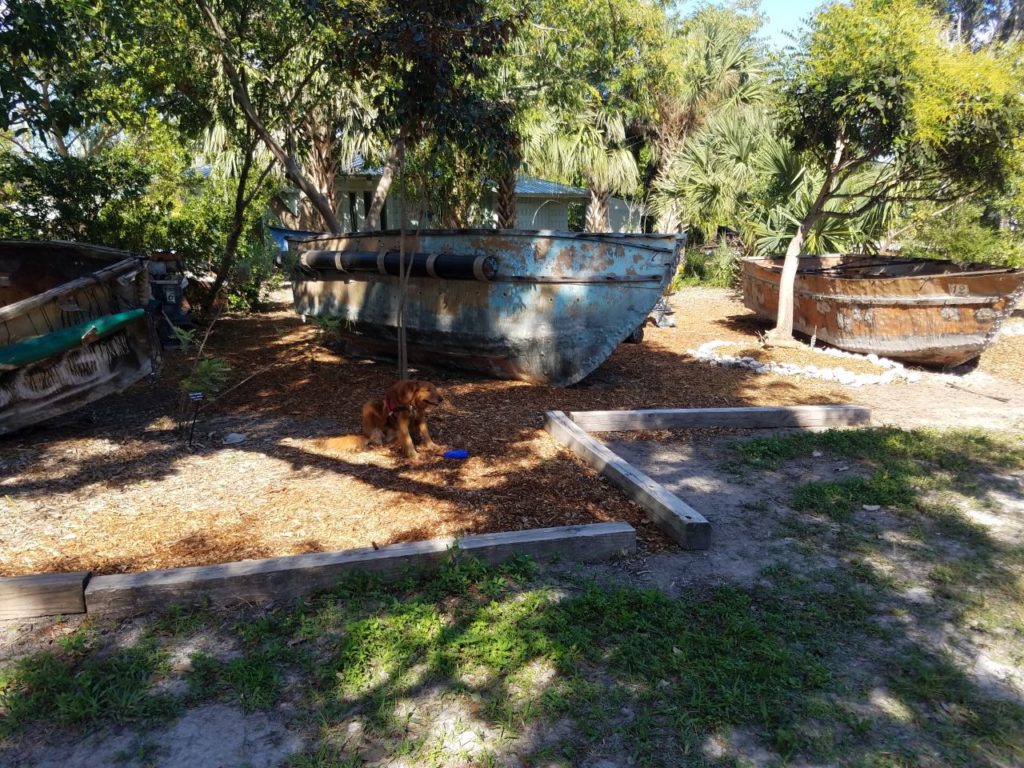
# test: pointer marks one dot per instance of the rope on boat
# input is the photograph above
(403, 273)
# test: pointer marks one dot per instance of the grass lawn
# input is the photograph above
(856, 653)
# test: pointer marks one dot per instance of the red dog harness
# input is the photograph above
(392, 407)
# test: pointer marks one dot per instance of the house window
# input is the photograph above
(353, 222)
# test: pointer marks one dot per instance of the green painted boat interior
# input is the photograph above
(41, 347)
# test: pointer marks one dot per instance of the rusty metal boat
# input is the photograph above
(73, 327)
(922, 311)
(540, 306)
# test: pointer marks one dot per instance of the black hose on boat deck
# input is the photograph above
(446, 266)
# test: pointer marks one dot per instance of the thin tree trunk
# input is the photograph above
(782, 333)
(597, 210)
(371, 222)
(288, 163)
(507, 199)
(227, 259)
(668, 220)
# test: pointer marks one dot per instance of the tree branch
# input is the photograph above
(291, 167)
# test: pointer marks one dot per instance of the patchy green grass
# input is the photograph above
(902, 519)
(821, 661)
(957, 451)
(253, 680)
(652, 675)
(71, 688)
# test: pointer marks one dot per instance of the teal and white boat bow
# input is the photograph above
(541, 306)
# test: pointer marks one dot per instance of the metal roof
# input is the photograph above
(530, 186)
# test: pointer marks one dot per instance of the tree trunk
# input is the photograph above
(371, 222)
(1013, 22)
(597, 210)
(227, 259)
(322, 167)
(668, 220)
(506, 203)
(291, 168)
(782, 333)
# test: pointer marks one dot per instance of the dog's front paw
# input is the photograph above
(432, 447)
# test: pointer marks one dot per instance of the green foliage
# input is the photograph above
(712, 122)
(877, 83)
(253, 275)
(77, 74)
(959, 233)
(596, 70)
(881, 77)
(209, 376)
(716, 267)
(117, 197)
(72, 688)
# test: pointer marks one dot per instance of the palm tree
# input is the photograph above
(719, 70)
(590, 147)
(706, 184)
(736, 172)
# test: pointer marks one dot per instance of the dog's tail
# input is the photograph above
(342, 443)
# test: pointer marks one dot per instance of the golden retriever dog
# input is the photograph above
(401, 411)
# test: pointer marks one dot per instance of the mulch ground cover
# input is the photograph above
(115, 488)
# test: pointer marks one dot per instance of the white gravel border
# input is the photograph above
(893, 371)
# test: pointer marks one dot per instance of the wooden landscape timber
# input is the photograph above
(923, 311)
(286, 578)
(47, 594)
(685, 525)
(540, 306)
(802, 416)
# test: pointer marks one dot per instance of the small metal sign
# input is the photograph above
(196, 396)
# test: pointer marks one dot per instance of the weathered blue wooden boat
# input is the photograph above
(73, 327)
(545, 307)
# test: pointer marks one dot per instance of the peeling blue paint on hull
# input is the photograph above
(551, 310)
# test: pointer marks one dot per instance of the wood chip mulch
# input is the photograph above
(115, 489)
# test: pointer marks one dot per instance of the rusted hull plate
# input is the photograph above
(921, 311)
(556, 308)
(47, 286)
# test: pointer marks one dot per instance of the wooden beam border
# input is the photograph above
(286, 578)
(683, 524)
(783, 417)
(44, 594)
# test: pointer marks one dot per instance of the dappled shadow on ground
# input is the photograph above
(142, 498)
(924, 529)
(507, 667)
(824, 634)
(746, 324)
